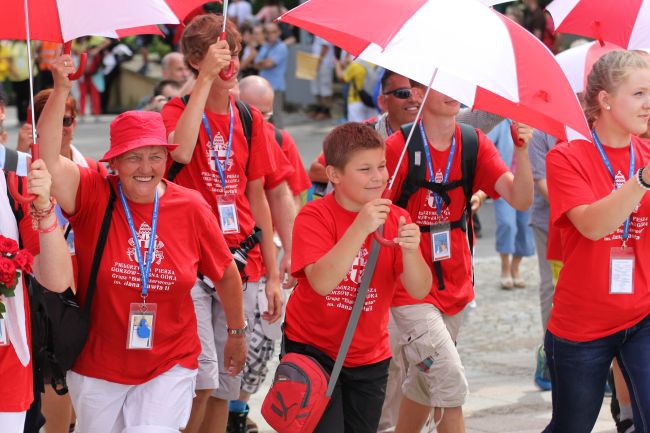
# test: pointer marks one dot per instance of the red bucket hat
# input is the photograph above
(134, 129)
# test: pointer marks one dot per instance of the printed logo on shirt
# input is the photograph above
(211, 178)
(638, 223)
(144, 238)
(345, 294)
(220, 147)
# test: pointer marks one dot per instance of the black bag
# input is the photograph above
(59, 327)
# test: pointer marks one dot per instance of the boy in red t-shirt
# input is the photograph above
(435, 377)
(228, 170)
(335, 239)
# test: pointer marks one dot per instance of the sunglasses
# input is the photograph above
(401, 93)
(68, 121)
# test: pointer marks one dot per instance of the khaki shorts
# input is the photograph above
(426, 346)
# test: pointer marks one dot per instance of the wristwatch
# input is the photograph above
(238, 331)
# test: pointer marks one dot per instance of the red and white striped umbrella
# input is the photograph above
(482, 58)
(577, 62)
(625, 23)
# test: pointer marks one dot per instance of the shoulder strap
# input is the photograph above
(99, 251)
(469, 156)
(354, 316)
(278, 135)
(246, 118)
(417, 168)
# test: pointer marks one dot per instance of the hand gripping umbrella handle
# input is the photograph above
(12, 181)
(377, 234)
(226, 74)
(67, 48)
(519, 142)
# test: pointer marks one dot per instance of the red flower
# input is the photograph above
(7, 272)
(8, 246)
(24, 260)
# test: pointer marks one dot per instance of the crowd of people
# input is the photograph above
(181, 242)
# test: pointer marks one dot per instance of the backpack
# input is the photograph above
(415, 179)
(246, 118)
(370, 81)
(278, 135)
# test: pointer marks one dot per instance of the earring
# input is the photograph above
(608, 108)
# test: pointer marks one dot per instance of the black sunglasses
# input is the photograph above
(68, 121)
(401, 93)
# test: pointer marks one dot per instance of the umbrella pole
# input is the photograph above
(417, 118)
(35, 152)
(225, 16)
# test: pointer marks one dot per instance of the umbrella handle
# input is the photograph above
(67, 48)
(519, 142)
(227, 74)
(377, 234)
(12, 181)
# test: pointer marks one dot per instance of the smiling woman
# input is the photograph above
(143, 338)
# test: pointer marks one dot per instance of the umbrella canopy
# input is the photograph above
(64, 20)
(624, 23)
(482, 58)
(577, 62)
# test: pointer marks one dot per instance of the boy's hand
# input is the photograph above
(372, 215)
(408, 236)
(217, 58)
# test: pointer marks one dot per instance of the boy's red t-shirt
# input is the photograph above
(244, 165)
(284, 170)
(320, 321)
(188, 241)
(300, 181)
(583, 308)
(457, 271)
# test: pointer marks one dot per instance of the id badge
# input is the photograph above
(441, 241)
(621, 271)
(228, 214)
(4, 341)
(142, 319)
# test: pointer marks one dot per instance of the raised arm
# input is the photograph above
(65, 173)
(518, 189)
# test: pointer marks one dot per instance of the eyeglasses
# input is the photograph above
(401, 93)
(68, 121)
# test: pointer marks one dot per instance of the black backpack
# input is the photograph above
(415, 179)
(246, 118)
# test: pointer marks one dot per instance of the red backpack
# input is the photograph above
(296, 401)
(301, 387)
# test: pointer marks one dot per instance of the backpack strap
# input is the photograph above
(469, 157)
(354, 316)
(99, 251)
(417, 168)
(246, 118)
(278, 135)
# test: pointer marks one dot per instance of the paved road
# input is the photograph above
(498, 341)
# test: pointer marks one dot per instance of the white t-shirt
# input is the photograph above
(316, 49)
(242, 11)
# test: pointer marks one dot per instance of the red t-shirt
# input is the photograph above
(583, 309)
(300, 181)
(284, 170)
(457, 271)
(244, 165)
(320, 321)
(188, 241)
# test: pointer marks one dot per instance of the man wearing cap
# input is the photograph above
(138, 367)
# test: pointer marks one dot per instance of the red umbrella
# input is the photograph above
(65, 20)
(624, 23)
(461, 48)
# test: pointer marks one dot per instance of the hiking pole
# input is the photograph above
(378, 236)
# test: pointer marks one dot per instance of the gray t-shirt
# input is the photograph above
(537, 150)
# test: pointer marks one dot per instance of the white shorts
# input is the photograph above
(12, 422)
(322, 84)
(161, 405)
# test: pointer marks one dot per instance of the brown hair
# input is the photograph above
(607, 75)
(202, 32)
(41, 99)
(345, 140)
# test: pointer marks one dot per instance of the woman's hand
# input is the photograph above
(39, 183)
(61, 67)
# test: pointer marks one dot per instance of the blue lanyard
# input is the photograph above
(432, 176)
(145, 269)
(603, 155)
(220, 169)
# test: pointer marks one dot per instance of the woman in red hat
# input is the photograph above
(137, 370)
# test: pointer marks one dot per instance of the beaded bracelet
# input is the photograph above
(639, 179)
(54, 226)
(40, 214)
